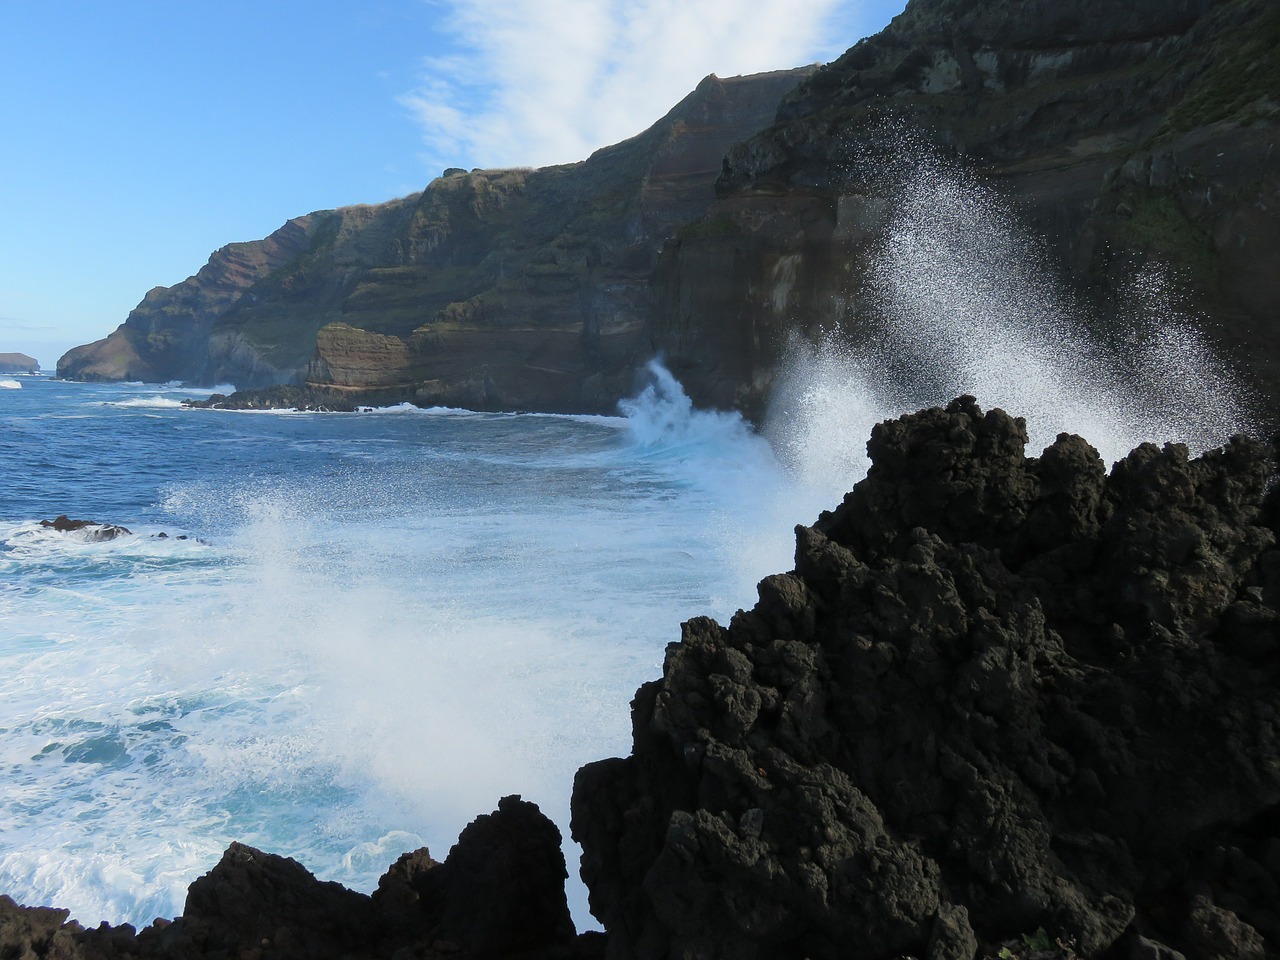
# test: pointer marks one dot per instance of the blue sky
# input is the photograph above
(137, 137)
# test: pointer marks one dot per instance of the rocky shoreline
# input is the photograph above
(1001, 704)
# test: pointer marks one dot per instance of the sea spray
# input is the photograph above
(959, 297)
(394, 619)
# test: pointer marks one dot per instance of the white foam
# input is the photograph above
(368, 656)
(10, 385)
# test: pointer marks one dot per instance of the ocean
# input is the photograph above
(376, 626)
(339, 637)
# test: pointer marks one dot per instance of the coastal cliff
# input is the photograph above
(752, 212)
(18, 363)
(493, 289)
(997, 695)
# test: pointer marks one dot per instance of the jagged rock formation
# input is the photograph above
(995, 694)
(1120, 135)
(499, 894)
(495, 288)
(18, 363)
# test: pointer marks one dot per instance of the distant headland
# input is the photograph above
(18, 363)
(754, 212)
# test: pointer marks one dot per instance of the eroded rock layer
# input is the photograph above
(997, 693)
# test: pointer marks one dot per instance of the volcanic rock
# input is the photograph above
(1126, 138)
(532, 284)
(281, 397)
(996, 694)
(90, 530)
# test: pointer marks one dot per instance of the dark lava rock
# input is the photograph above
(996, 694)
(284, 397)
(500, 894)
(255, 899)
(90, 530)
(28, 933)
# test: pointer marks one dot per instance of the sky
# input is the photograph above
(138, 136)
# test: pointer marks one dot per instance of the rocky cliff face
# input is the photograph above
(500, 893)
(498, 288)
(996, 694)
(1121, 136)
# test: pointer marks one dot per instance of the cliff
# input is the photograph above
(1144, 133)
(494, 288)
(18, 363)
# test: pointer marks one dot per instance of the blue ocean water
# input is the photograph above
(378, 625)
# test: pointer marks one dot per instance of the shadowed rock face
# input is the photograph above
(996, 693)
(1122, 135)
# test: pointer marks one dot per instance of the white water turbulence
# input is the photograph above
(960, 298)
(380, 623)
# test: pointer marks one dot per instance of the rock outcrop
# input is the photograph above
(513, 289)
(996, 694)
(999, 700)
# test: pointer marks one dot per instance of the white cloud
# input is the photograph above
(535, 82)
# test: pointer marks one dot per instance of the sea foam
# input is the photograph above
(961, 298)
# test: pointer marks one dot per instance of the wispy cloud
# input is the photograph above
(15, 325)
(534, 82)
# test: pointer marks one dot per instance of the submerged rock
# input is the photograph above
(996, 694)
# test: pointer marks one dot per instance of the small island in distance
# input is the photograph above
(18, 363)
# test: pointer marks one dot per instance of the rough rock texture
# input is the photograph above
(282, 397)
(1121, 134)
(90, 530)
(499, 894)
(18, 363)
(505, 288)
(995, 694)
